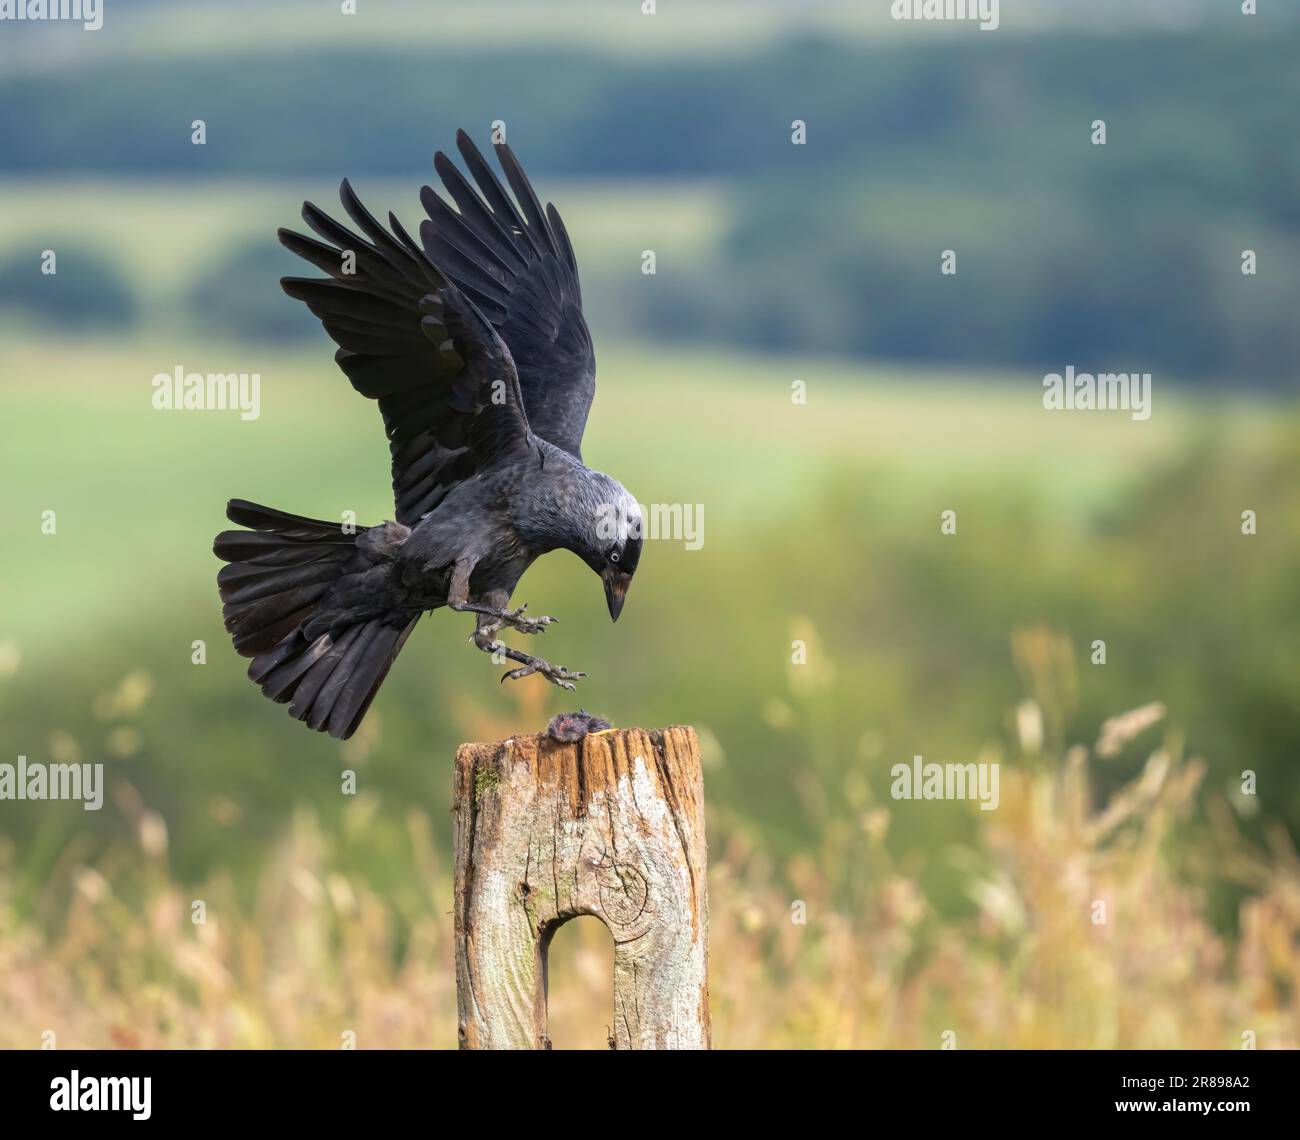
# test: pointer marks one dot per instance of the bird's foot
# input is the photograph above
(502, 619)
(556, 674)
(515, 620)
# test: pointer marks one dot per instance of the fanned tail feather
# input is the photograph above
(278, 576)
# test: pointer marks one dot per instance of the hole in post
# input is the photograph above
(579, 972)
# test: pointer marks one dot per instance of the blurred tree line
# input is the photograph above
(1125, 256)
(88, 292)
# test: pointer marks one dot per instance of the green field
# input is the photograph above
(163, 234)
(678, 426)
(821, 525)
(820, 516)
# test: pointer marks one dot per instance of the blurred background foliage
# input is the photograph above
(917, 143)
(775, 263)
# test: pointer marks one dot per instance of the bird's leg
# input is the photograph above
(485, 631)
(485, 638)
(492, 606)
(556, 674)
(512, 619)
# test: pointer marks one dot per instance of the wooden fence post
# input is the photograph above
(612, 826)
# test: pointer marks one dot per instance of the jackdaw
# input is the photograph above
(474, 344)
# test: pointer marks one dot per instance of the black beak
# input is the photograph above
(616, 584)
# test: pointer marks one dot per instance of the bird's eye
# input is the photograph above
(613, 555)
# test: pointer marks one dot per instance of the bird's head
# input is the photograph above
(611, 541)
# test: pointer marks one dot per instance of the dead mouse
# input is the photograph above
(568, 727)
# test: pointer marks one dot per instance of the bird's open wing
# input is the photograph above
(410, 339)
(516, 264)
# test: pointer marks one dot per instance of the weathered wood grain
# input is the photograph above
(611, 826)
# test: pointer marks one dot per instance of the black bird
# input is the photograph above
(474, 344)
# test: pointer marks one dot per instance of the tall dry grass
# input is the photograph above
(319, 954)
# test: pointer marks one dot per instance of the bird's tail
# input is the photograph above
(279, 576)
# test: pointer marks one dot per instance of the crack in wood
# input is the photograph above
(625, 841)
